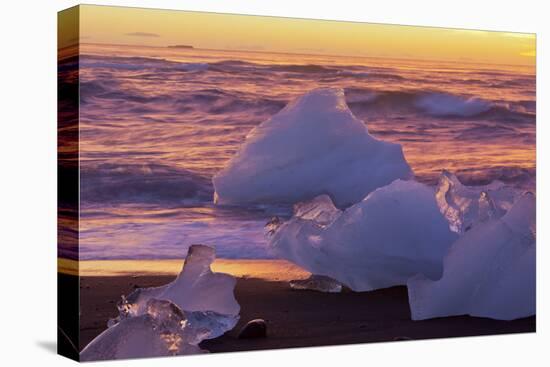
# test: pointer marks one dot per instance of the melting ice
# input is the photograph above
(489, 272)
(465, 206)
(396, 232)
(314, 146)
(172, 319)
(318, 283)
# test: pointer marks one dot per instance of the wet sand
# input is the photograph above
(298, 318)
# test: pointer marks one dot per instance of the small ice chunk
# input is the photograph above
(395, 232)
(314, 146)
(488, 272)
(209, 324)
(160, 331)
(196, 288)
(318, 283)
(466, 206)
(171, 319)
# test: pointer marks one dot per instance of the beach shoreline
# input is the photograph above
(266, 269)
(294, 318)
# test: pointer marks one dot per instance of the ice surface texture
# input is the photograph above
(396, 232)
(172, 319)
(314, 146)
(466, 206)
(196, 288)
(163, 330)
(489, 271)
(319, 283)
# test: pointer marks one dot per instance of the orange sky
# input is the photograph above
(103, 24)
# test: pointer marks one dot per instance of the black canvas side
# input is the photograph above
(68, 183)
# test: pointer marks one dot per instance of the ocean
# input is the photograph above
(157, 123)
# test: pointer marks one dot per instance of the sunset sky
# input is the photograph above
(119, 25)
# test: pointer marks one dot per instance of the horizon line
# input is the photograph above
(309, 54)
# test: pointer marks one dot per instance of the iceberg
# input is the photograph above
(171, 319)
(397, 231)
(466, 206)
(488, 272)
(314, 146)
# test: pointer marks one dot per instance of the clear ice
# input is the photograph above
(396, 232)
(320, 210)
(466, 206)
(319, 283)
(489, 272)
(172, 319)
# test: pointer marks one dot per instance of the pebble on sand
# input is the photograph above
(256, 328)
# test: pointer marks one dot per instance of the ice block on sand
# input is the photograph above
(172, 319)
(396, 232)
(488, 272)
(196, 288)
(314, 146)
(319, 283)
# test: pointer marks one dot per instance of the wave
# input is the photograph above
(308, 68)
(517, 82)
(441, 104)
(430, 103)
(370, 75)
(111, 90)
(437, 104)
(218, 102)
(236, 66)
(214, 101)
(233, 66)
(127, 98)
(353, 71)
(146, 183)
(139, 64)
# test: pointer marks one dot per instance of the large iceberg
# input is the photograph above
(466, 206)
(314, 146)
(396, 232)
(172, 319)
(488, 272)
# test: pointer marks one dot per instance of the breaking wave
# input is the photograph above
(438, 104)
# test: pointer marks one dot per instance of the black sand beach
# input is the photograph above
(298, 318)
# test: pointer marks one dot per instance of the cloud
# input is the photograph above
(143, 34)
